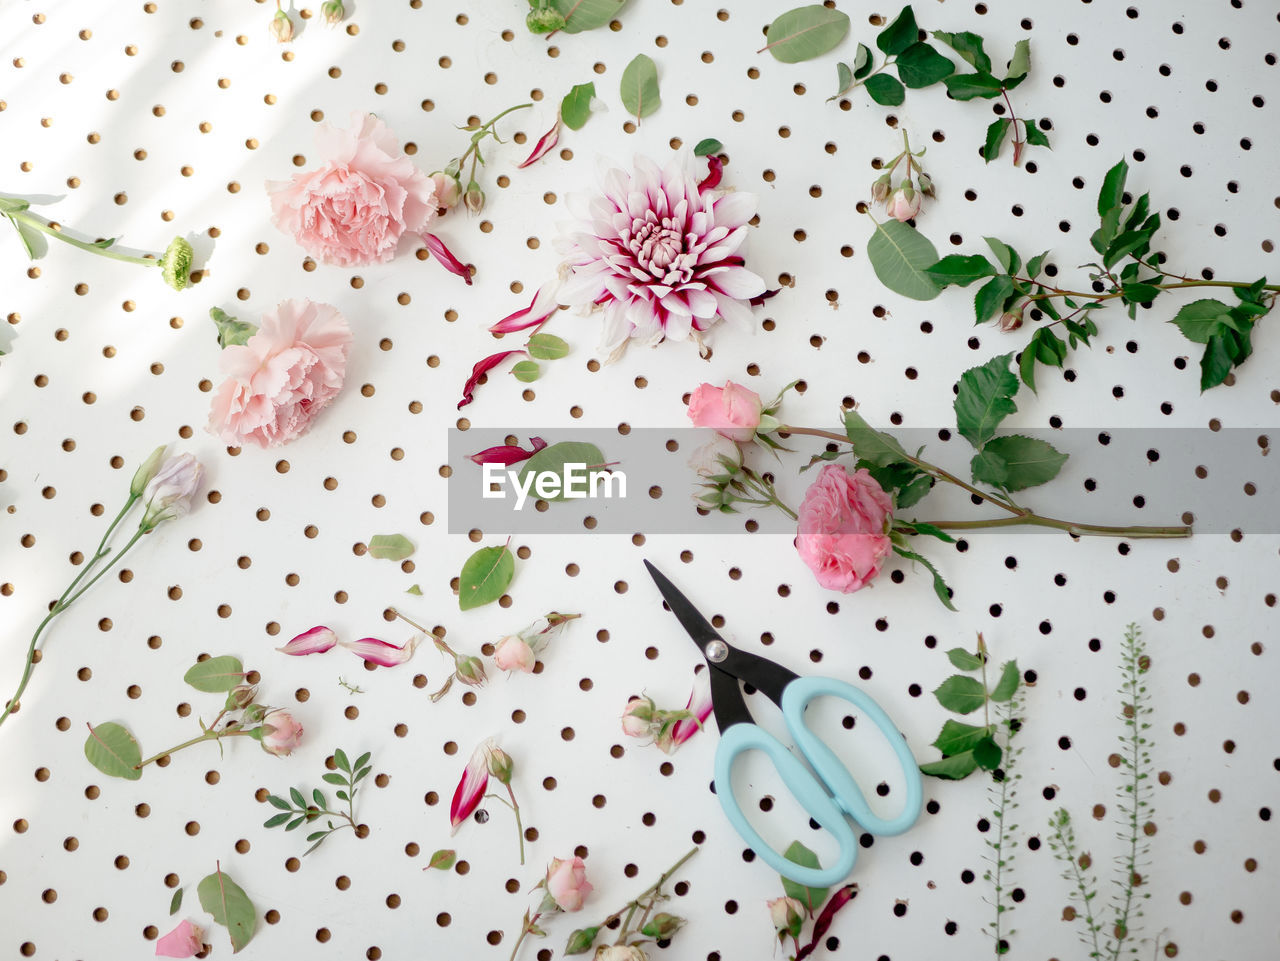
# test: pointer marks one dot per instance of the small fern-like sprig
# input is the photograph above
(1062, 841)
(1133, 798)
(1003, 792)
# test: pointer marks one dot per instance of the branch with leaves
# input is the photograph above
(297, 811)
(800, 903)
(633, 931)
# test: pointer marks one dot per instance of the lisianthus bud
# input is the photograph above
(787, 915)
(904, 203)
(333, 11)
(637, 717)
(471, 670)
(473, 199)
(240, 697)
(281, 27)
(1011, 320)
(544, 21)
(500, 763)
(146, 470)
(175, 265)
(168, 494)
(662, 926)
(448, 188)
(281, 733)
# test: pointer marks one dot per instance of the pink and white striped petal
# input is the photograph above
(546, 143)
(382, 653)
(699, 706)
(470, 790)
(543, 306)
(447, 260)
(315, 641)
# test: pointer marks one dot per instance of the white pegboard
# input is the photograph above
(156, 118)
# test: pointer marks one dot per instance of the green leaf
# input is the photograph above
(1028, 461)
(1112, 191)
(230, 907)
(299, 801)
(526, 371)
(13, 205)
(1128, 242)
(900, 34)
(33, 241)
(414, 589)
(582, 15)
(113, 751)
(939, 585)
(1021, 61)
(985, 399)
(952, 768)
(555, 459)
(960, 270)
(969, 46)
(1006, 256)
(885, 90)
(920, 66)
(318, 796)
(1049, 348)
(390, 547)
(362, 760)
(443, 859)
(340, 760)
(1035, 136)
(176, 902)
(964, 661)
(231, 332)
(575, 108)
(871, 445)
(811, 898)
(1027, 366)
(961, 694)
(1201, 319)
(1035, 263)
(278, 802)
(987, 753)
(967, 86)
(862, 62)
(708, 146)
(805, 32)
(990, 298)
(640, 87)
(1139, 293)
(1007, 686)
(931, 530)
(295, 823)
(215, 674)
(485, 577)
(276, 820)
(333, 777)
(956, 737)
(844, 79)
(901, 256)
(911, 494)
(988, 467)
(996, 133)
(342, 795)
(1215, 363)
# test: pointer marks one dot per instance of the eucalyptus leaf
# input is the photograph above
(575, 108)
(985, 398)
(961, 694)
(1028, 461)
(811, 898)
(340, 760)
(863, 61)
(640, 87)
(582, 15)
(900, 256)
(443, 859)
(900, 34)
(485, 577)
(113, 751)
(278, 803)
(805, 32)
(844, 79)
(526, 371)
(230, 907)
(555, 459)
(216, 674)
(885, 90)
(390, 547)
(414, 589)
(1007, 686)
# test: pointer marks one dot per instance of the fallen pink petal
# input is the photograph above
(447, 260)
(715, 171)
(546, 143)
(481, 368)
(508, 454)
(543, 306)
(184, 941)
(315, 641)
(382, 653)
(699, 706)
(471, 788)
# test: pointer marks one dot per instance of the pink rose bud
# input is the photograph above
(1011, 320)
(280, 733)
(281, 27)
(471, 787)
(513, 654)
(842, 528)
(168, 494)
(787, 915)
(904, 203)
(448, 189)
(733, 410)
(500, 764)
(315, 641)
(637, 717)
(567, 884)
(470, 670)
(184, 941)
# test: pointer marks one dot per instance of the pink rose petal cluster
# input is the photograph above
(284, 734)
(286, 373)
(842, 528)
(567, 883)
(733, 411)
(356, 206)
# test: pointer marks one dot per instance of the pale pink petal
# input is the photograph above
(315, 641)
(184, 941)
(382, 653)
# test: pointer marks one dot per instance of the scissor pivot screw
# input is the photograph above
(716, 651)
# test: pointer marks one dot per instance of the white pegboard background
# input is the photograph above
(127, 364)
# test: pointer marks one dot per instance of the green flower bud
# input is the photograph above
(146, 471)
(581, 939)
(176, 264)
(662, 926)
(333, 11)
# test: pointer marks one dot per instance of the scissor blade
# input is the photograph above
(698, 627)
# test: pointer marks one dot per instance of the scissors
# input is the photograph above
(830, 797)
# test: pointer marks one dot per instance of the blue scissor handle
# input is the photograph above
(796, 697)
(741, 738)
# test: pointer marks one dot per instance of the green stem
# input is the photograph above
(210, 735)
(1052, 292)
(42, 225)
(770, 495)
(112, 563)
(1069, 851)
(653, 888)
(1021, 515)
(1013, 120)
(529, 922)
(485, 130)
(515, 809)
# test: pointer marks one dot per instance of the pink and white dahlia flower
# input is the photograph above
(660, 253)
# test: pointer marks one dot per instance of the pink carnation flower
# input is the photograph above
(660, 254)
(354, 208)
(285, 375)
(843, 521)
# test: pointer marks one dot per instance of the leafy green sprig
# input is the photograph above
(1127, 271)
(297, 811)
(1003, 792)
(967, 747)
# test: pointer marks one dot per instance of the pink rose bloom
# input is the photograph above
(184, 941)
(286, 374)
(732, 410)
(567, 883)
(354, 208)
(284, 736)
(513, 654)
(842, 528)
